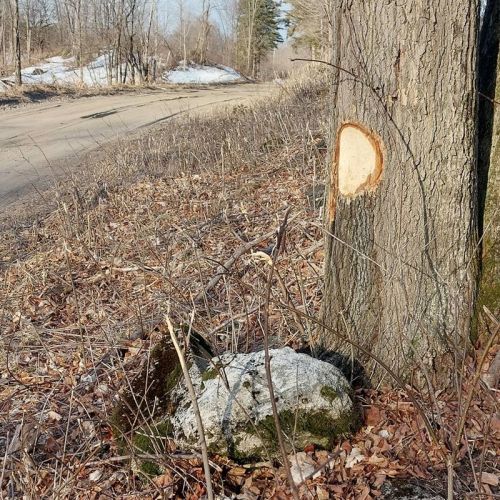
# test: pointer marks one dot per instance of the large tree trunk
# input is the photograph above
(401, 265)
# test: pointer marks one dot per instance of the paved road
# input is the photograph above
(43, 140)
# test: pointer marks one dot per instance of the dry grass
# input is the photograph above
(148, 230)
(143, 232)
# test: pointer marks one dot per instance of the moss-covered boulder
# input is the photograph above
(313, 400)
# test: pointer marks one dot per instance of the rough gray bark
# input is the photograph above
(401, 265)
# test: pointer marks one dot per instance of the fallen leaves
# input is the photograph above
(53, 416)
(303, 466)
(78, 300)
(354, 457)
(237, 476)
(372, 415)
(164, 480)
(94, 476)
(489, 478)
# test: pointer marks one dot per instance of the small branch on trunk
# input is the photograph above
(493, 101)
(328, 64)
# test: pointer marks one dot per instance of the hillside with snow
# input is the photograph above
(197, 74)
(62, 71)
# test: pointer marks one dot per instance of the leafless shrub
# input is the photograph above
(148, 221)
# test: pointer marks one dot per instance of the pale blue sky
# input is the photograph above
(169, 11)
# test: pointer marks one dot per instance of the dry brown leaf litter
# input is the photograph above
(76, 324)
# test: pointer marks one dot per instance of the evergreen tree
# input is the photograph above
(258, 32)
(310, 25)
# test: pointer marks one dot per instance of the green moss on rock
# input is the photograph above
(328, 393)
(152, 439)
(306, 427)
(209, 374)
(151, 468)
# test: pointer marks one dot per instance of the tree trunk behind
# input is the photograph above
(401, 265)
(17, 44)
(202, 41)
(29, 33)
(489, 157)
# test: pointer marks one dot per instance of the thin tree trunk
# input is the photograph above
(202, 41)
(17, 44)
(250, 42)
(328, 6)
(80, 41)
(131, 57)
(401, 265)
(28, 34)
(182, 32)
(145, 52)
(118, 56)
(184, 46)
(4, 38)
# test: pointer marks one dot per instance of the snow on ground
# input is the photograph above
(3, 86)
(198, 74)
(62, 71)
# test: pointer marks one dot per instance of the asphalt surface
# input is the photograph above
(41, 141)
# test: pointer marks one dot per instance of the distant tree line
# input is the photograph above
(136, 37)
(257, 32)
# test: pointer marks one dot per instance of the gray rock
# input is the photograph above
(313, 399)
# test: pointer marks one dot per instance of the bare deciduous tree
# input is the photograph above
(310, 25)
(17, 44)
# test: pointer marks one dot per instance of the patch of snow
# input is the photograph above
(100, 62)
(201, 74)
(60, 60)
(62, 71)
(4, 85)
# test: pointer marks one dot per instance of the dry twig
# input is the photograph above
(194, 400)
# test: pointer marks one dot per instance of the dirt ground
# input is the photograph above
(41, 141)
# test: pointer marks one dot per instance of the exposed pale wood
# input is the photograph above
(358, 155)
